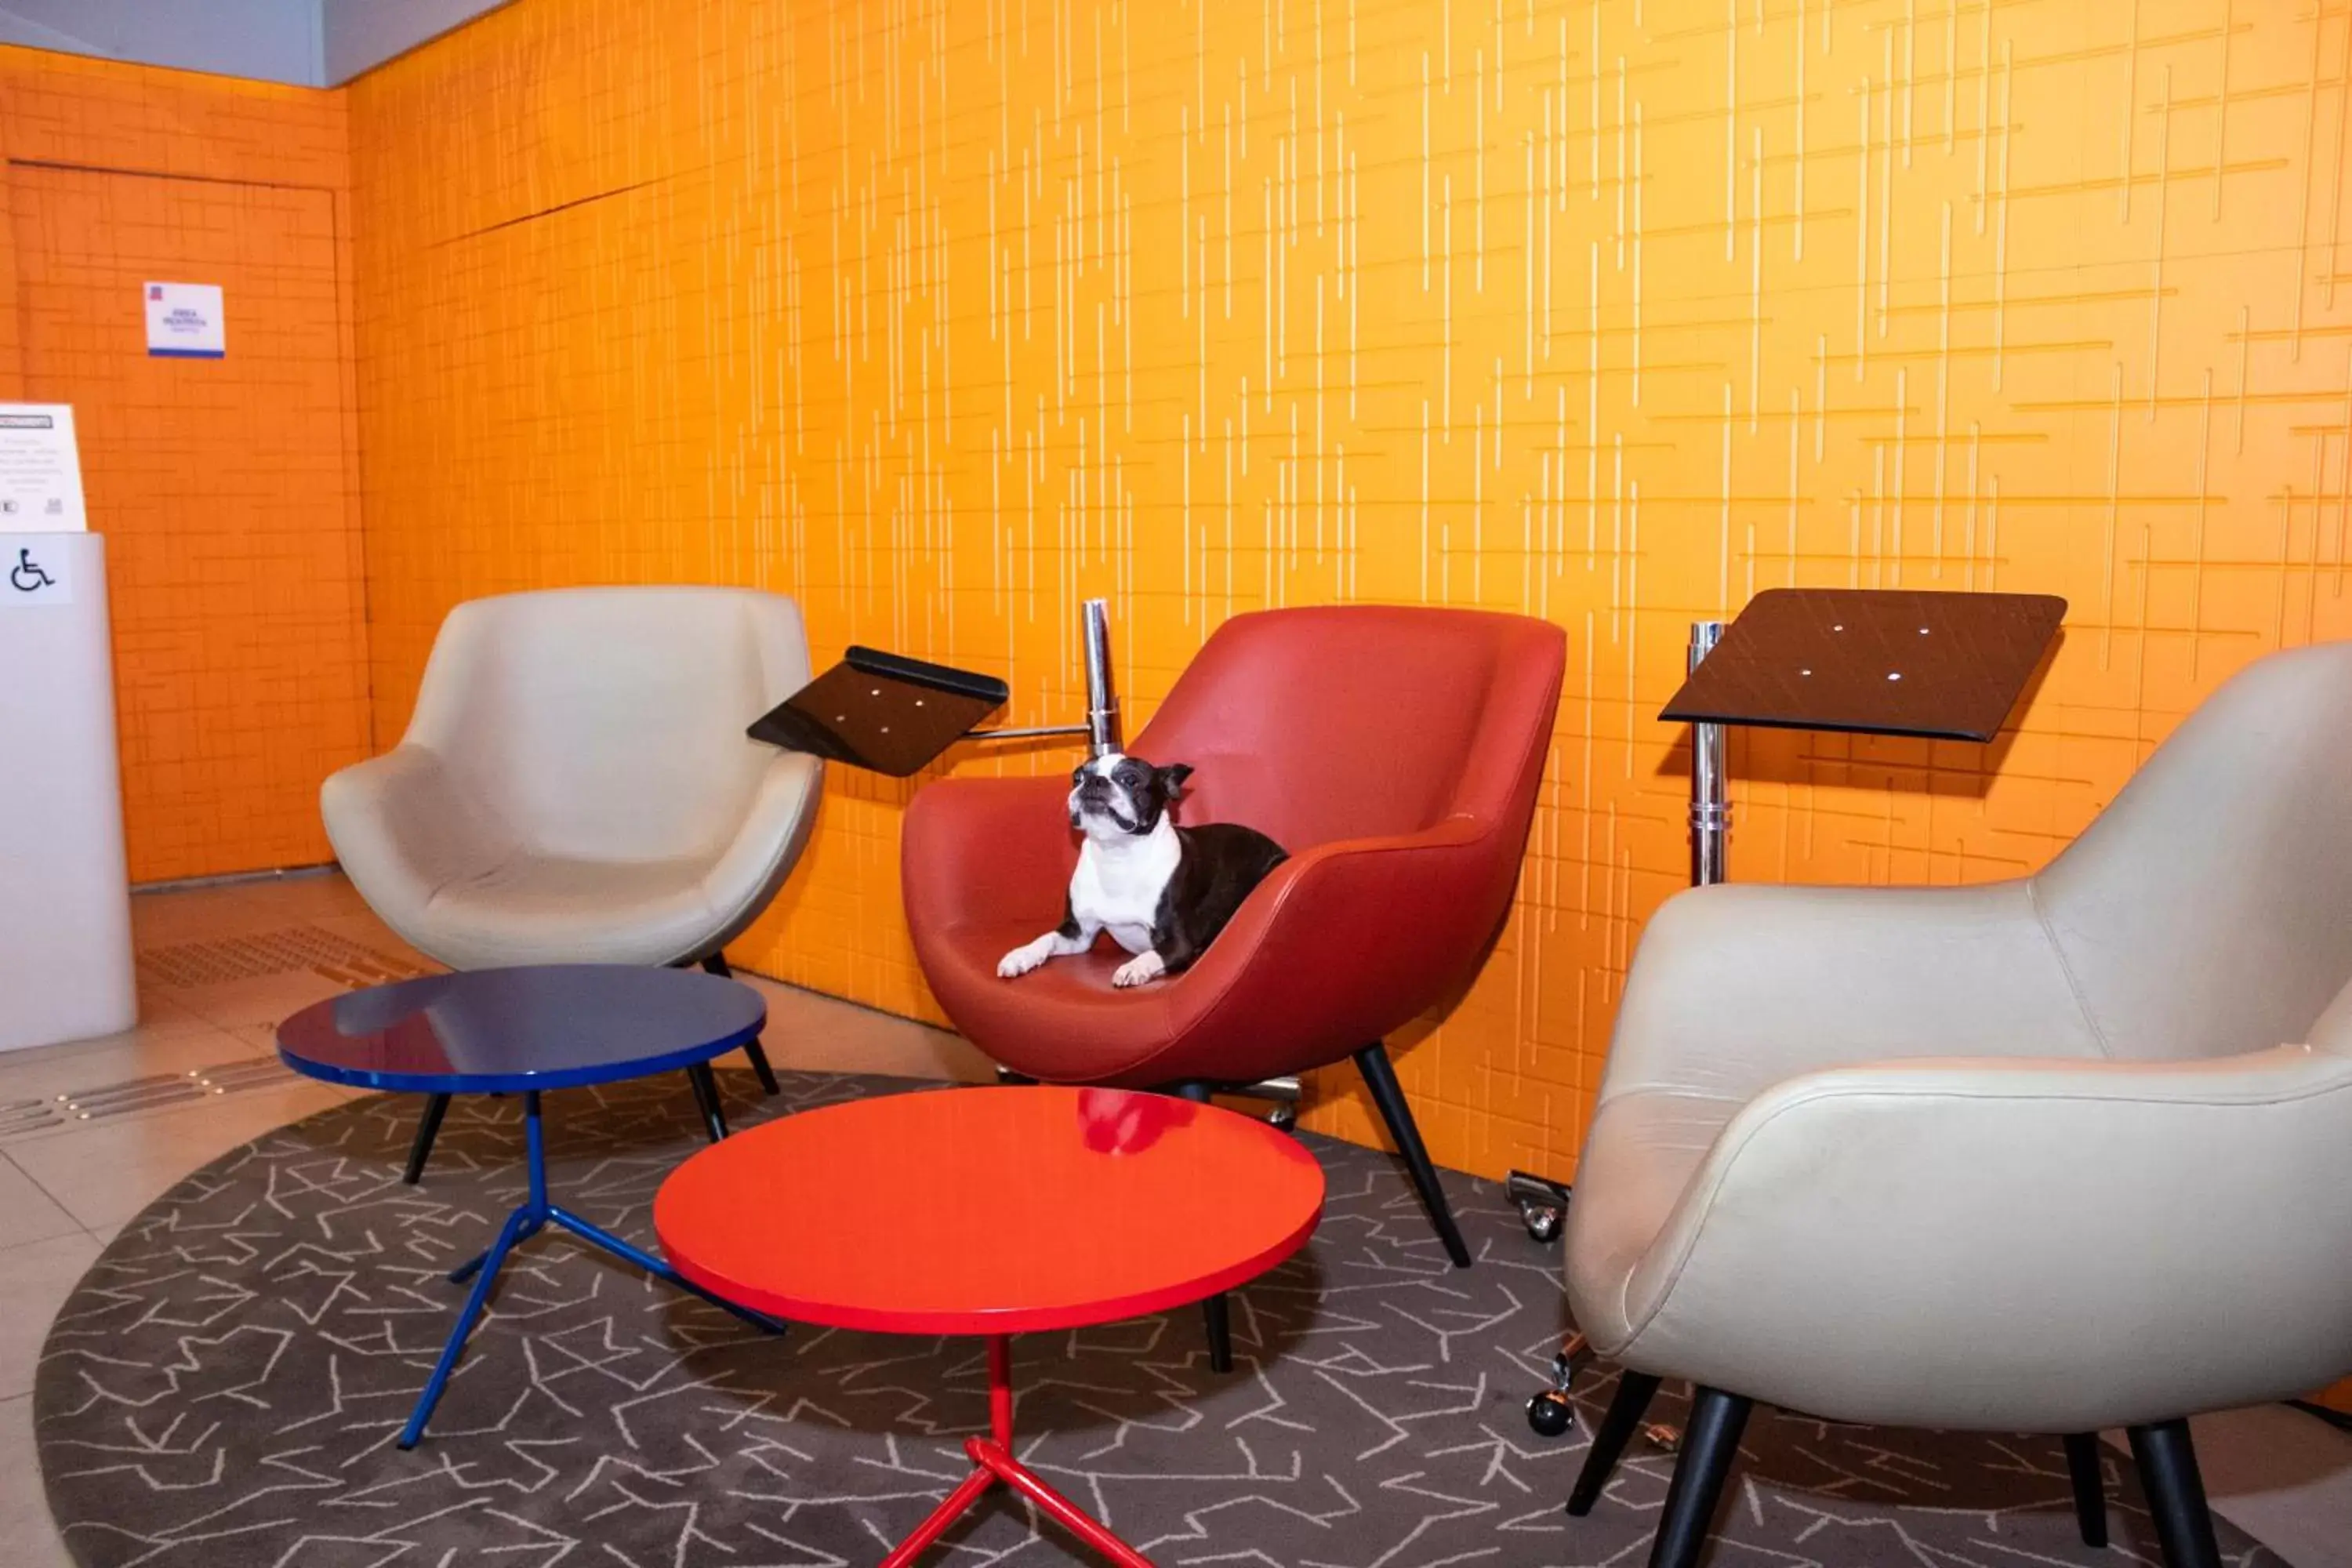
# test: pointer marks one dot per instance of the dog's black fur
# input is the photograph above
(1220, 863)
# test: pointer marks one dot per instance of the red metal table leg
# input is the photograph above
(1021, 1479)
(975, 1486)
(993, 1456)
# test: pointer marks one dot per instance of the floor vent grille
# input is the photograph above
(149, 1093)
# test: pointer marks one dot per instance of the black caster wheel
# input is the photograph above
(1282, 1118)
(1542, 1220)
(1550, 1414)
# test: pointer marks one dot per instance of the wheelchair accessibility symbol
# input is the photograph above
(27, 575)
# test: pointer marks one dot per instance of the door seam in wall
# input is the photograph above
(162, 174)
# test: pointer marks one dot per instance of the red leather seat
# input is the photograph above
(1394, 752)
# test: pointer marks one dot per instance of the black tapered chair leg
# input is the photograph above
(716, 963)
(428, 1127)
(1215, 1314)
(2090, 1493)
(1379, 1076)
(705, 1096)
(1710, 1443)
(1635, 1392)
(2176, 1494)
(757, 1053)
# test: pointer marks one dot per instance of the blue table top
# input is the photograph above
(509, 1030)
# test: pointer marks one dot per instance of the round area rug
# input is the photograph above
(224, 1387)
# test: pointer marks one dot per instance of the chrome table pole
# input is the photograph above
(1710, 799)
(1102, 697)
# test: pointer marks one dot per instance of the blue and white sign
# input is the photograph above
(184, 321)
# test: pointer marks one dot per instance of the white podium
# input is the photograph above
(65, 901)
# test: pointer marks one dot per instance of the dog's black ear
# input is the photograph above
(1172, 777)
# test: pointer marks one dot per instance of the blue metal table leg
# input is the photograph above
(523, 1223)
(463, 1330)
(467, 1270)
(521, 1226)
(587, 1231)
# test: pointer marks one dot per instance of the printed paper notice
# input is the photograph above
(184, 321)
(40, 470)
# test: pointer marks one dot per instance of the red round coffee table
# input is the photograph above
(991, 1212)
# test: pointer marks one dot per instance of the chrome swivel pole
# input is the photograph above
(1710, 808)
(1101, 728)
(1102, 697)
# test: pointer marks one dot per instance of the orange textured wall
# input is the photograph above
(944, 317)
(228, 490)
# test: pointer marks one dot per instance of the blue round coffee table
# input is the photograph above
(518, 1031)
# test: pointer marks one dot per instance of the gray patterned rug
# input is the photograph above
(224, 1387)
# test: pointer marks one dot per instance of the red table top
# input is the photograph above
(989, 1211)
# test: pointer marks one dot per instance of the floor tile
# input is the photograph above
(160, 1018)
(811, 1033)
(199, 914)
(104, 1172)
(27, 1536)
(263, 999)
(2284, 1477)
(35, 1281)
(375, 935)
(118, 1058)
(27, 1212)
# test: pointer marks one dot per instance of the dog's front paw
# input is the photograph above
(1021, 960)
(1137, 971)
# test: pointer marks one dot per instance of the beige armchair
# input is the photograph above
(575, 785)
(2050, 1155)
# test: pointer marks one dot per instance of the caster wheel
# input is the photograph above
(1550, 1414)
(1542, 1220)
(1282, 1118)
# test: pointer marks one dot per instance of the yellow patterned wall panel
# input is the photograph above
(945, 317)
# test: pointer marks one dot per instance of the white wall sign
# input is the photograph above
(184, 321)
(34, 571)
(40, 470)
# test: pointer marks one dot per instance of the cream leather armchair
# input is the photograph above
(2051, 1155)
(575, 785)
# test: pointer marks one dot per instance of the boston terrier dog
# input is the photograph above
(1162, 891)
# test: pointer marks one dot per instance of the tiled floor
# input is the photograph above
(66, 1187)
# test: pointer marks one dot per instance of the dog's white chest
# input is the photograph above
(1118, 887)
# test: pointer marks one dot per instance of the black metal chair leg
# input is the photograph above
(428, 1127)
(1635, 1392)
(2090, 1493)
(1213, 1313)
(757, 1053)
(1710, 1443)
(716, 963)
(1379, 1076)
(706, 1095)
(2176, 1494)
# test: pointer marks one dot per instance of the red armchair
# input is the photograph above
(1394, 752)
